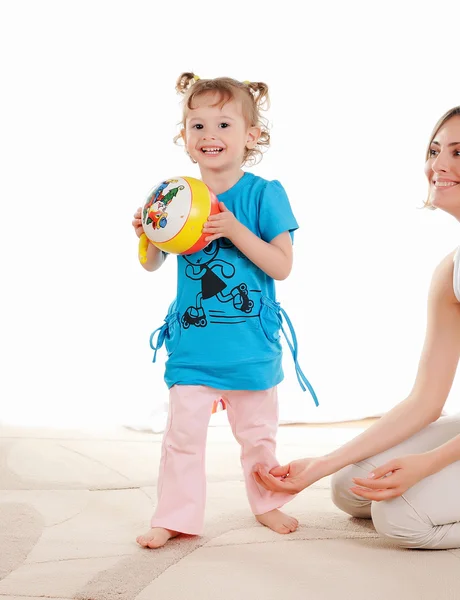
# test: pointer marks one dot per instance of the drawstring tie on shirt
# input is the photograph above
(293, 346)
(163, 333)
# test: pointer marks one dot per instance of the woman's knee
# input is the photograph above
(343, 498)
(396, 521)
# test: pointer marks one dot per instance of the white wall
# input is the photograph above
(87, 122)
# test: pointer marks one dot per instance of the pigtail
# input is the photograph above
(259, 91)
(260, 97)
(185, 81)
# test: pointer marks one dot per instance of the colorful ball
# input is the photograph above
(174, 214)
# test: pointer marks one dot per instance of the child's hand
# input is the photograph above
(137, 223)
(224, 224)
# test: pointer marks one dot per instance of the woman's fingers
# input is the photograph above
(376, 495)
(280, 471)
(375, 484)
(385, 469)
(258, 480)
(263, 477)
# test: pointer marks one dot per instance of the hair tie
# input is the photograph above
(196, 78)
(246, 82)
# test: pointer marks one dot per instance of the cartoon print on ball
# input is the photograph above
(154, 212)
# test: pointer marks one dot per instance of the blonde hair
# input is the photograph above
(453, 112)
(254, 98)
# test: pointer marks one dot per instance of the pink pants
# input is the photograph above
(253, 418)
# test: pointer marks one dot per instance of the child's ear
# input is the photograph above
(182, 134)
(253, 137)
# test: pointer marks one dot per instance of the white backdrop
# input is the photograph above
(88, 114)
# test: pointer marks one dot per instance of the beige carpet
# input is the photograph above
(72, 503)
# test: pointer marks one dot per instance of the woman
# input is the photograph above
(410, 485)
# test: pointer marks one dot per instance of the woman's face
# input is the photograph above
(443, 168)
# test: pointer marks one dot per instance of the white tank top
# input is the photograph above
(457, 274)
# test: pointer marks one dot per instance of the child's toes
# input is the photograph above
(291, 524)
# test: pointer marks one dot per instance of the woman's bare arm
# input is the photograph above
(435, 375)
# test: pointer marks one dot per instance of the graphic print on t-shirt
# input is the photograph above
(212, 273)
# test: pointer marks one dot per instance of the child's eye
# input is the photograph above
(197, 126)
(223, 125)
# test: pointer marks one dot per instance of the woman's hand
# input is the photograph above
(293, 477)
(137, 223)
(393, 478)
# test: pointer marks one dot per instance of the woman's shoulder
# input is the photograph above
(445, 284)
(456, 274)
(449, 259)
(455, 254)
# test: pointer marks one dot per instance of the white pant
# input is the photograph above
(428, 514)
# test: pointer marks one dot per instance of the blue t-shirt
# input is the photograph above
(223, 328)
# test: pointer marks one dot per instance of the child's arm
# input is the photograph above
(154, 256)
(274, 258)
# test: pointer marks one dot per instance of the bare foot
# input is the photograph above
(278, 521)
(156, 537)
